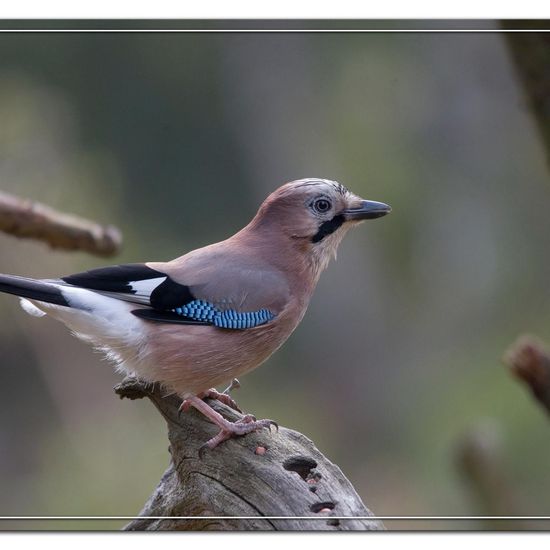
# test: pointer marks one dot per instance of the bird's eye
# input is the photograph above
(322, 205)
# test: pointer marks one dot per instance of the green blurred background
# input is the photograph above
(176, 139)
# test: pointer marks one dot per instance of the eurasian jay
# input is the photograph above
(215, 313)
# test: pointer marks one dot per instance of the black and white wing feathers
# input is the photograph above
(167, 300)
(128, 282)
(136, 283)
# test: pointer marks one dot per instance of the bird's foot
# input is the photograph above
(224, 398)
(212, 393)
(245, 425)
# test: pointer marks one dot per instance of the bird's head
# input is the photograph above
(316, 214)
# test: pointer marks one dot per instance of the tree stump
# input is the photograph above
(280, 475)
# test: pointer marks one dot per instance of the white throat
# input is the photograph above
(325, 250)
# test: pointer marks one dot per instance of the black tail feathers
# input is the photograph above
(33, 289)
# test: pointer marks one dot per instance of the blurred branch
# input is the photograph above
(531, 55)
(261, 474)
(32, 220)
(478, 459)
(529, 360)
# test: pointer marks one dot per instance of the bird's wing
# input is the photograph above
(129, 282)
(239, 297)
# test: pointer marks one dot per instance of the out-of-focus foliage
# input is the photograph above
(177, 139)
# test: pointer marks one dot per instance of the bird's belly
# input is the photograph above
(192, 359)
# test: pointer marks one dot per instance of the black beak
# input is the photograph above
(367, 211)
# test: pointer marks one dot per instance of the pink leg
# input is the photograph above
(227, 429)
(212, 393)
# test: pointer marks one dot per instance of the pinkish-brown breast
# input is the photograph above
(190, 359)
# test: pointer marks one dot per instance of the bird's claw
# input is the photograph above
(211, 394)
(184, 407)
(224, 398)
(269, 423)
(229, 401)
(244, 426)
(266, 423)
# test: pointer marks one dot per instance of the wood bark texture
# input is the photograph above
(289, 480)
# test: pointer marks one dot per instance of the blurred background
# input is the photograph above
(176, 139)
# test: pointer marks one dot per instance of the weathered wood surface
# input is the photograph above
(290, 480)
(32, 220)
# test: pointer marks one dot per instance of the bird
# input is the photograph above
(215, 313)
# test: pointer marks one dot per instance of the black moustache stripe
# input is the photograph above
(328, 227)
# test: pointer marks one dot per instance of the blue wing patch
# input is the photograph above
(200, 310)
